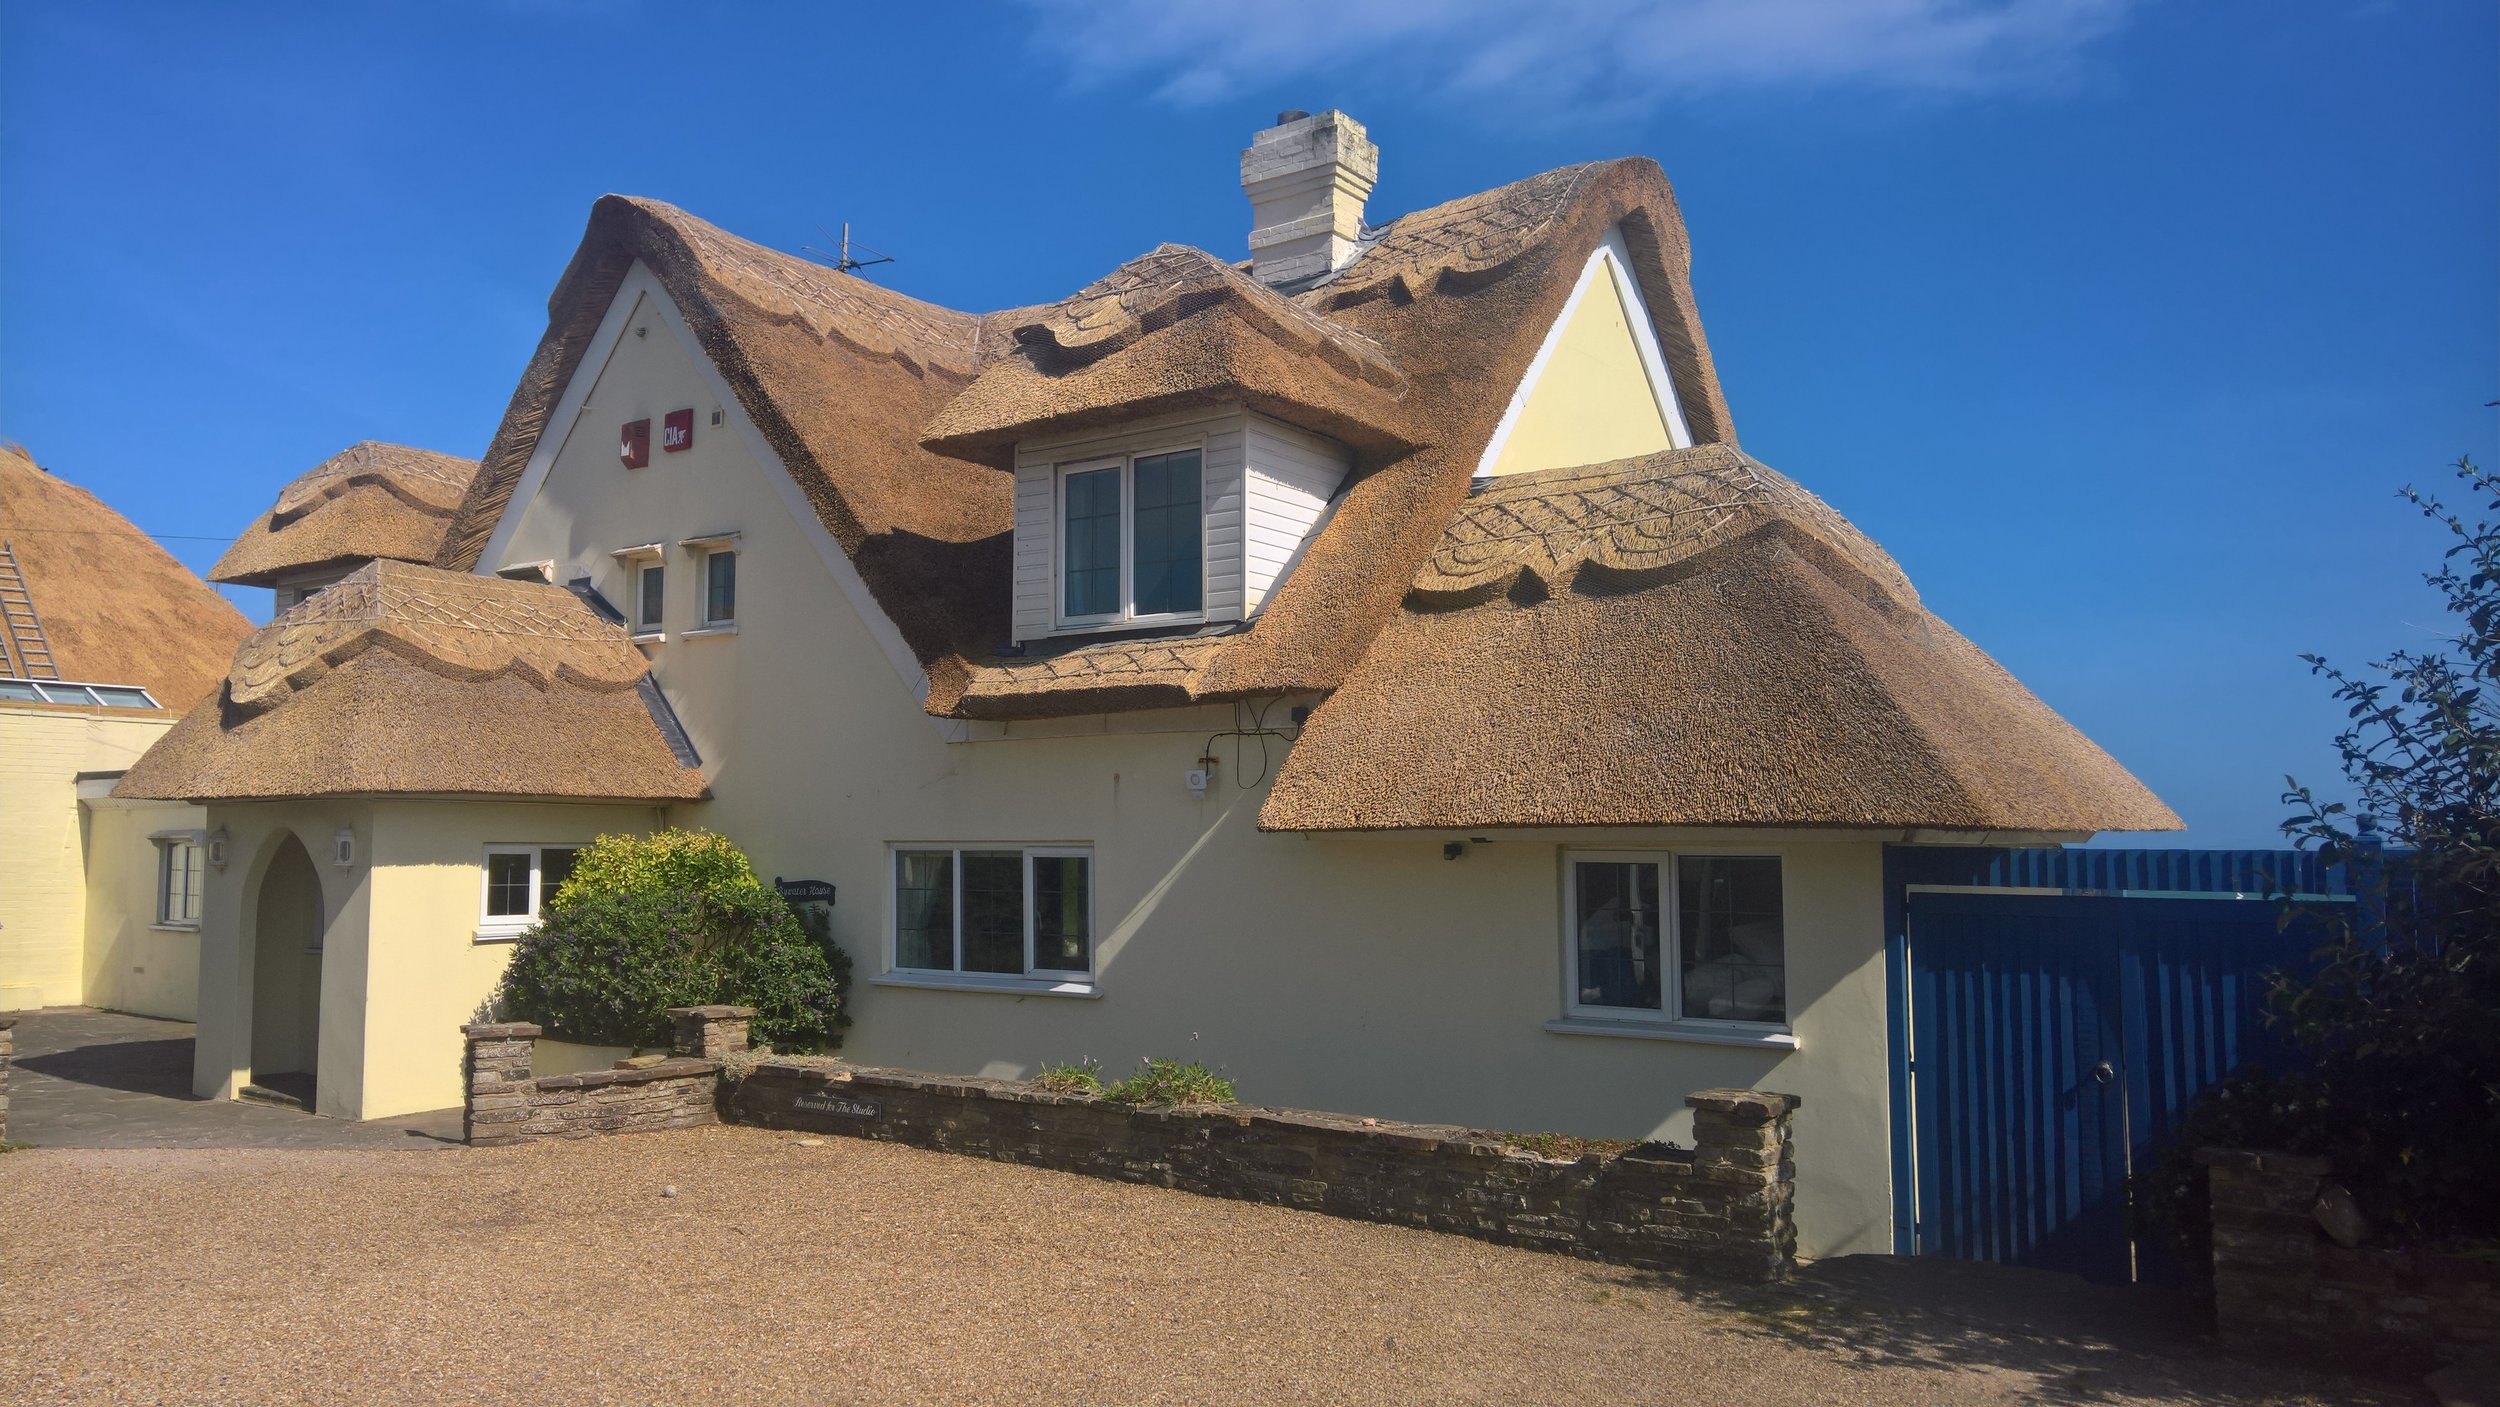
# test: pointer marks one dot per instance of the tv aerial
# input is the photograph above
(844, 256)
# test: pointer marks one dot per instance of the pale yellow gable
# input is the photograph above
(1591, 396)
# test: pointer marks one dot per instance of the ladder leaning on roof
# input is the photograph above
(27, 653)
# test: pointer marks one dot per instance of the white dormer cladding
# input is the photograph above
(1264, 488)
(1599, 388)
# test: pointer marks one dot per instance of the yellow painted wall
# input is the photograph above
(1358, 974)
(401, 969)
(132, 962)
(427, 975)
(1591, 400)
(43, 903)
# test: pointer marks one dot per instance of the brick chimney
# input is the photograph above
(1307, 177)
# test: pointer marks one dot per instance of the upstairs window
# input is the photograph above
(650, 587)
(1132, 539)
(720, 586)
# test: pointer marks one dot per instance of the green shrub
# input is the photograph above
(1170, 1082)
(1083, 1077)
(674, 919)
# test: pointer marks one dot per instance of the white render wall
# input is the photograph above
(1361, 974)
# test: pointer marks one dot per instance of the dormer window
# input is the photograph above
(1176, 522)
(1132, 536)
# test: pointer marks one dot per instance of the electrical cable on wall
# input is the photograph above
(1254, 713)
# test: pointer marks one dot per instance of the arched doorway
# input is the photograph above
(286, 975)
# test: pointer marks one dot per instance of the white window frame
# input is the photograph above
(503, 928)
(636, 560)
(166, 843)
(1580, 1018)
(1043, 980)
(1126, 462)
(704, 549)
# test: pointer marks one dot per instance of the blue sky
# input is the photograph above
(2118, 323)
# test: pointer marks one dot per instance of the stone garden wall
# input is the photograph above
(1723, 1206)
(2281, 1284)
(506, 1104)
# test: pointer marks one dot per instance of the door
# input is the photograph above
(2017, 1069)
(2055, 1042)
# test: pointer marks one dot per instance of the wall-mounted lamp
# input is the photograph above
(343, 847)
(1453, 850)
(214, 843)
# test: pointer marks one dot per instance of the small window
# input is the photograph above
(720, 586)
(649, 585)
(518, 879)
(994, 910)
(1132, 539)
(1718, 955)
(178, 872)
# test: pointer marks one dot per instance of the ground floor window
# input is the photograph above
(517, 881)
(1710, 948)
(1003, 910)
(178, 872)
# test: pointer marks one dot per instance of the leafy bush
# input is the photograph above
(2401, 1020)
(1160, 1081)
(645, 923)
(1083, 1077)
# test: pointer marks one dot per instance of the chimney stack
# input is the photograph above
(1307, 178)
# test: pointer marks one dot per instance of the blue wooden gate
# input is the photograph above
(2048, 1035)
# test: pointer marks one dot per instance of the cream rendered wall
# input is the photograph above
(426, 974)
(43, 891)
(229, 940)
(1359, 974)
(133, 963)
(401, 969)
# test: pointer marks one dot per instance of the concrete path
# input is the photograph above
(102, 1079)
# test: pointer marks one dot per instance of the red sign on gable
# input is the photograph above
(635, 450)
(677, 431)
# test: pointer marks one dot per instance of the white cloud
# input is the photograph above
(1610, 54)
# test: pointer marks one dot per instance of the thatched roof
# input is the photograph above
(1813, 688)
(116, 608)
(406, 680)
(1172, 329)
(368, 501)
(843, 379)
(1683, 639)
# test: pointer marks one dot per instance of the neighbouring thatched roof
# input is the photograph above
(406, 680)
(369, 501)
(1686, 638)
(1172, 329)
(116, 608)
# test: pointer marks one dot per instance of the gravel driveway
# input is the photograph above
(846, 1271)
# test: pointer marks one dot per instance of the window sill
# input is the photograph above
(1691, 1033)
(1012, 986)
(651, 637)
(501, 935)
(725, 628)
(190, 928)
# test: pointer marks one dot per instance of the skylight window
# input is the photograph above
(93, 695)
